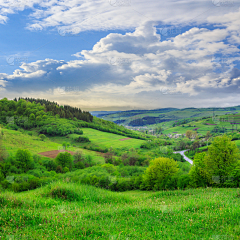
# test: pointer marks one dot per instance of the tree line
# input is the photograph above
(64, 111)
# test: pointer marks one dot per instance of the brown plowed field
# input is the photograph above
(54, 153)
(123, 139)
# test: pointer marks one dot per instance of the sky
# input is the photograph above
(121, 54)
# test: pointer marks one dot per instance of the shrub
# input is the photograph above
(42, 137)
(104, 182)
(23, 160)
(160, 171)
(64, 194)
(59, 169)
(88, 161)
(109, 167)
(50, 165)
(65, 169)
(79, 165)
(183, 181)
(64, 160)
(81, 139)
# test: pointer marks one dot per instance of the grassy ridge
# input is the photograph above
(69, 211)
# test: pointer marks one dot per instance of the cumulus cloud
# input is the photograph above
(82, 15)
(143, 68)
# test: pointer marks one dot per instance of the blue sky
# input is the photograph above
(121, 54)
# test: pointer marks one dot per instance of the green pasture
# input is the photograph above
(14, 140)
(65, 210)
(104, 139)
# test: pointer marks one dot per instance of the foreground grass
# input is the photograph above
(70, 211)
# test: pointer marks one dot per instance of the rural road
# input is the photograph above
(186, 158)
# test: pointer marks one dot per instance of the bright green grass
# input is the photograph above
(100, 214)
(104, 139)
(202, 128)
(237, 143)
(14, 140)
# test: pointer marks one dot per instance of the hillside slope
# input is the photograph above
(71, 211)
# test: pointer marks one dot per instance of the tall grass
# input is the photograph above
(65, 210)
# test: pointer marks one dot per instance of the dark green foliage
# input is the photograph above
(62, 111)
(50, 165)
(155, 143)
(30, 184)
(42, 136)
(97, 149)
(81, 139)
(64, 160)
(177, 157)
(59, 169)
(24, 160)
(121, 185)
(183, 181)
(51, 119)
(64, 194)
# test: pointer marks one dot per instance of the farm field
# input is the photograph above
(198, 126)
(72, 211)
(104, 139)
(14, 140)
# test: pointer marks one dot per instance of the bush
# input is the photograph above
(65, 169)
(64, 160)
(183, 181)
(159, 173)
(42, 137)
(64, 194)
(59, 169)
(81, 139)
(23, 160)
(50, 165)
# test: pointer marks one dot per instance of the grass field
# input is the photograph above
(202, 128)
(70, 211)
(104, 139)
(14, 140)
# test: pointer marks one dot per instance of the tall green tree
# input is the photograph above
(221, 158)
(198, 174)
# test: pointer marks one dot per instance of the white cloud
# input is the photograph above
(82, 15)
(136, 66)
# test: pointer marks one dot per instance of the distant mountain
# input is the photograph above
(102, 113)
(136, 118)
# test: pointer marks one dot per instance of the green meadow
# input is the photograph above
(70, 198)
(14, 140)
(104, 139)
(202, 126)
(64, 210)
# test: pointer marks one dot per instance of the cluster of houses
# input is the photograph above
(175, 135)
